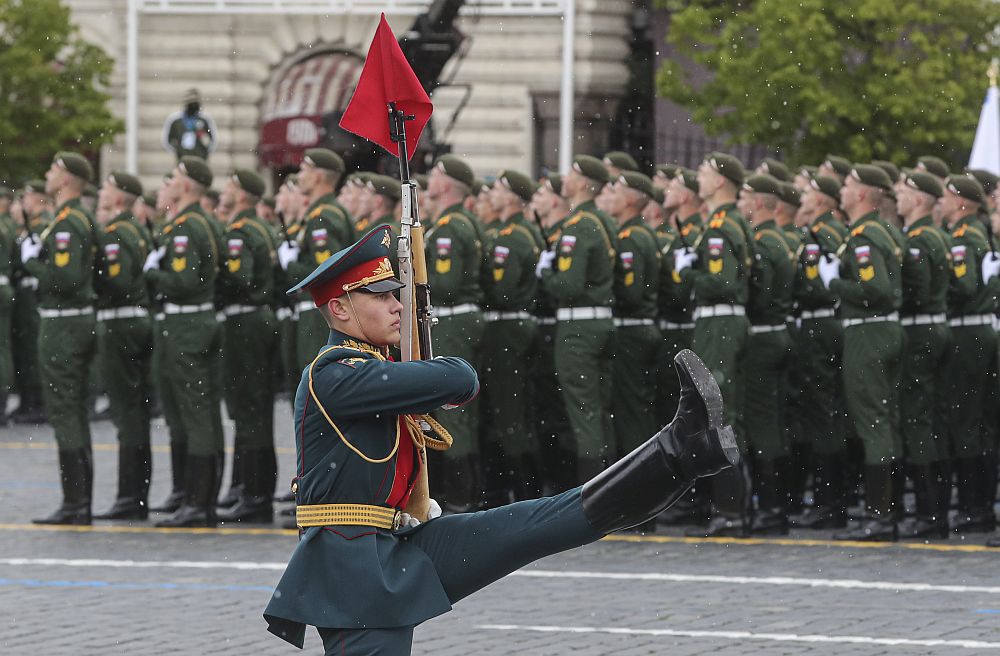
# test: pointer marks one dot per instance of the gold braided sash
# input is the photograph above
(346, 514)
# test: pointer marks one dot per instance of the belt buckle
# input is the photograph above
(396, 519)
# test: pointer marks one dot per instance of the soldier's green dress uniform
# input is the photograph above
(66, 341)
(637, 341)
(250, 354)
(363, 579)
(191, 344)
(125, 349)
(581, 284)
(8, 244)
(971, 304)
(25, 324)
(454, 251)
(926, 278)
(870, 292)
(818, 351)
(287, 314)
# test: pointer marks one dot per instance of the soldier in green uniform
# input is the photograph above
(720, 283)
(384, 195)
(971, 304)
(818, 351)
(326, 228)
(869, 283)
(8, 244)
(578, 275)
(617, 161)
(62, 259)
(769, 350)
(355, 413)
(250, 340)
(774, 168)
(835, 167)
(551, 423)
(183, 271)
(637, 339)
(36, 208)
(455, 265)
(926, 278)
(125, 339)
(513, 459)
(676, 323)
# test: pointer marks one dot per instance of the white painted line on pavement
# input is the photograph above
(747, 635)
(536, 573)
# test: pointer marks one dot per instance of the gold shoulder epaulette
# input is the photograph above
(167, 229)
(721, 214)
(918, 231)
(961, 231)
(443, 221)
(574, 220)
(239, 224)
(507, 231)
(857, 231)
(111, 228)
(181, 220)
(624, 234)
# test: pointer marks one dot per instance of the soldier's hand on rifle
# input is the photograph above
(31, 248)
(684, 258)
(153, 259)
(991, 266)
(288, 252)
(829, 269)
(434, 509)
(544, 263)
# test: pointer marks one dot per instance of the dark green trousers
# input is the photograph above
(583, 370)
(822, 416)
(924, 359)
(287, 329)
(189, 381)
(633, 400)
(872, 370)
(66, 348)
(25, 325)
(6, 342)
(551, 423)
(125, 352)
(721, 344)
(767, 360)
(505, 377)
(250, 354)
(668, 388)
(461, 336)
(964, 392)
(311, 334)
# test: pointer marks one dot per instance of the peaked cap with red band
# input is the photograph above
(362, 266)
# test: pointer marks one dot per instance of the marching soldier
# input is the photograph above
(775, 169)
(62, 259)
(183, 271)
(818, 351)
(769, 350)
(513, 465)
(250, 340)
(384, 196)
(125, 340)
(617, 161)
(926, 278)
(835, 167)
(934, 166)
(455, 244)
(637, 339)
(486, 212)
(551, 423)
(578, 274)
(360, 201)
(326, 228)
(870, 292)
(36, 208)
(724, 253)
(8, 243)
(971, 303)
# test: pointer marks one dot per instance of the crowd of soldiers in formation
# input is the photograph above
(848, 312)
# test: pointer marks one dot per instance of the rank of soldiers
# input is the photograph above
(848, 313)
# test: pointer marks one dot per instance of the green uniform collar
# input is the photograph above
(248, 213)
(124, 217)
(634, 221)
(965, 220)
(694, 219)
(517, 218)
(74, 203)
(920, 223)
(338, 338)
(326, 199)
(451, 209)
(585, 206)
(193, 207)
(725, 208)
(867, 218)
(770, 224)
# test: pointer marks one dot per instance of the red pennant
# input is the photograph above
(387, 77)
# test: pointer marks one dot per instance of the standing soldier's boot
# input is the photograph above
(236, 481)
(731, 493)
(462, 485)
(77, 476)
(178, 464)
(829, 509)
(879, 523)
(4, 421)
(254, 504)
(202, 481)
(771, 517)
(645, 482)
(134, 470)
(975, 515)
(29, 410)
(931, 520)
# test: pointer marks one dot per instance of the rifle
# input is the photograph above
(415, 296)
(680, 232)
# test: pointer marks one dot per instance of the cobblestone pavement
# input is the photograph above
(117, 588)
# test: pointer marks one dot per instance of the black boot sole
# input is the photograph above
(690, 365)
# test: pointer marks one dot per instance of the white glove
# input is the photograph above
(406, 520)
(288, 252)
(31, 248)
(829, 269)
(991, 266)
(684, 258)
(153, 259)
(544, 263)
(434, 510)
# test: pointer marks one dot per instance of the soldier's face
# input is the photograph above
(54, 179)
(378, 316)
(801, 182)
(709, 180)
(165, 198)
(229, 194)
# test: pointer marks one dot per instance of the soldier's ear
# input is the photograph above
(337, 308)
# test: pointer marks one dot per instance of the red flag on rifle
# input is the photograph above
(387, 77)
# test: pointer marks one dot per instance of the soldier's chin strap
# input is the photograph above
(354, 312)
